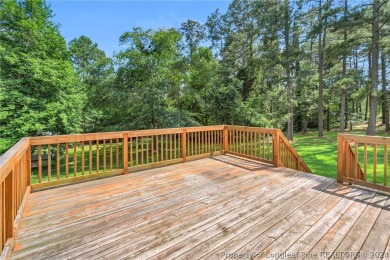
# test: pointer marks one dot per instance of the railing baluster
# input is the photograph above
(170, 146)
(90, 156)
(66, 160)
(208, 141)
(357, 173)
(162, 147)
(97, 156)
(58, 162)
(191, 144)
(179, 145)
(82, 158)
(117, 153)
(142, 150)
(39, 163)
(49, 162)
(104, 155)
(174, 145)
(74, 159)
(365, 161)
(131, 152)
(152, 139)
(110, 154)
(147, 149)
(198, 136)
(136, 151)
(166, 148)
(157, 148)
(195, 139)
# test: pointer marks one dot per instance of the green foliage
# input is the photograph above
(37, 86)
(256, 64)
(95, 76)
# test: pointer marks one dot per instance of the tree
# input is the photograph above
(95, 73)
(321, 47)
(37, 90)
(148, 77)
(194, 34)
(380, 16)
(374, 68)
(215, 31)
(385, 105)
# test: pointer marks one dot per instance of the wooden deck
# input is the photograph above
(208, 208)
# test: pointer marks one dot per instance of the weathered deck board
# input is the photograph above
(202, 209)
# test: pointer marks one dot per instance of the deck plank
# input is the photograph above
(200, 209)
(201, 204)
(235, 237)
(222, 220)
(375, 244)
(318, 230)
(279, 244)
(357, 235)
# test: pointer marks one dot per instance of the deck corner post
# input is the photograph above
(184, 144)
(9, 212)
(276, 148)
(125, 153)
(28, 163)
(340, 158)
(225, 140)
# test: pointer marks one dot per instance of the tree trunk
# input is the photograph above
(304, 125)
(374, 69)
(385, 106)
(346, 115)
(327, 119)
(366, 112)
(344, 88)
(290, 123)
(321, 75)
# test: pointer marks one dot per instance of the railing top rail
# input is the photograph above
(14, 153)
(382, 140)
(53, 139)
(252, 129)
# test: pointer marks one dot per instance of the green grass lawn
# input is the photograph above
(320, 154)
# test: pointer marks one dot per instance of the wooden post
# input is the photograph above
(340, 157)
(28, 166)
(125, 153)
(225, 140)
(9, 200)
(184, 144)
(276, 148)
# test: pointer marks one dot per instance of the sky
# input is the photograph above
(105, 21)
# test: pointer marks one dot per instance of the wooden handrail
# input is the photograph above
(354, 169)
(266, 145)
(15, 166)
(291, 158)
(64, 159)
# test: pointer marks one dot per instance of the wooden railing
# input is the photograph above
(15, 186)
(363, 160)
(265, 145)
(73, 158)
(41, 162)
(289, 158)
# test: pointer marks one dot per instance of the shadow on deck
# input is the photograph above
(221, 207)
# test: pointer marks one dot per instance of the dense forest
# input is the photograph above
(289, 64)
